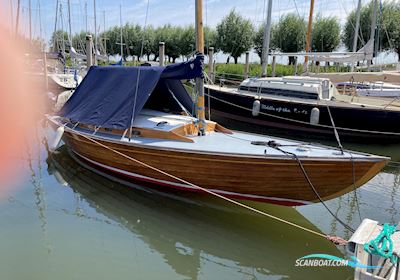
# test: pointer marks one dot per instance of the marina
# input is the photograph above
(131, 151)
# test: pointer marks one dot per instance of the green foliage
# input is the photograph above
(235, 72)
(210, 39)
(79, 41)
(388, 23)
(325, 34)
(365, 27)
(390, 27)
(258, 40)
(234, 35)
(289, 35)
(60, 38)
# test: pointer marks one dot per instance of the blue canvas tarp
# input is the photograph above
(111, 97)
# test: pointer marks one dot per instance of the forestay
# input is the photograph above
(111, 97)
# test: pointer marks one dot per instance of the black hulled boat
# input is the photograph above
(301, 105)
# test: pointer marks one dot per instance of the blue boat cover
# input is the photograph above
(111, 97)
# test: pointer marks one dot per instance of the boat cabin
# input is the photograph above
(297, 87)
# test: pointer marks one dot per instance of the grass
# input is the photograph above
(235, 72)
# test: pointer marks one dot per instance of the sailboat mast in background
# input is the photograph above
(120, 30)
(30, 21)
(17, 20)
(95, 33)
(266, 39)
(69, 24)
(373, 27)
(55, 29)
(199, 80)
(309, 31)
(356, 29)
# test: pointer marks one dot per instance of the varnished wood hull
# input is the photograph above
(273, 180)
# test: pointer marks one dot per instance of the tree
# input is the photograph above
(390, 27)
(79, 41)
(234, 35)
(365, 27)
(258, 40)
(187, 41)
(325, 34)
(148, 36)
(388, 22)
(61, 39)
(289, 35)
(210, 39)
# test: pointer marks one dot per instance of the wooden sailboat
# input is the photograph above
(121, 120)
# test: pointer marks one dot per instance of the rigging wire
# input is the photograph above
(275, 146)
(138, 77)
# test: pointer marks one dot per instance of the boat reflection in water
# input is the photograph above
(195, 233)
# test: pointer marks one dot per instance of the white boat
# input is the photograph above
(65, 81)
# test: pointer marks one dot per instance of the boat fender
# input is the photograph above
(314, 116)
(57, 139)
(256, 108)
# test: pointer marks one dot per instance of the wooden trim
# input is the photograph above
(268, 177)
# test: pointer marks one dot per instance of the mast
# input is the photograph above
(266, 39)
(55, 29)
(309, 31)
(120, 30)
(17, 20)
(11, 17)
(199, 80)
(69, 23)
(104, 32)
(62, 28)
(30, 22)
(355, 39)
(86, 17)
(95, 33)
(40, 24)
(373, 27)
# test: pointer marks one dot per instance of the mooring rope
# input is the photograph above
(335, 239)
(382, 245)
(275, 146)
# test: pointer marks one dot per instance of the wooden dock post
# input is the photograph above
(161, 53)
(211, 63)
(247, 65)
(273, 66)
(89, 48)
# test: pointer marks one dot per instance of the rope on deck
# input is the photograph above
(382, 245)
(275, 146)
(336, 240)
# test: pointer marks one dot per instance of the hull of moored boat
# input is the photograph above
(360, 124)
(273, 180)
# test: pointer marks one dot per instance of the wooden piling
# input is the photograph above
(161, 53)
(211, 63)
(89, 49)
(247, 65)
(273, 66)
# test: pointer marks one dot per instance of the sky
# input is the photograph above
(176, 12)
(160, 12)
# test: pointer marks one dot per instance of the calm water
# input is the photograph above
(65, 222)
